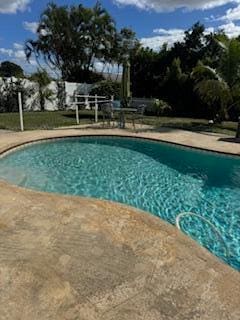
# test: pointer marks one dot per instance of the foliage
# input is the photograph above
(126, 46)
(192, 49)
(216, 95)
(10, 69)
(73, 39)
(229, 66)
(43, 80)
(219, 89)
(158, 108)
(198, 77)
(9, 95)
(147, 70)
(107, 88)
(176, 89)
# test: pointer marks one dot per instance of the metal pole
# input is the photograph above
(77, 111)
(96, 109)
(20, 110)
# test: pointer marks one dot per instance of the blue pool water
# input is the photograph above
(160, 178)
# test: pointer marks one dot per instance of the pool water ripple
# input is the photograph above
(162, 179)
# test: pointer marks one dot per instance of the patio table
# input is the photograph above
(122, 113)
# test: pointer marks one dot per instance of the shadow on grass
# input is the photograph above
(162, 129)
(195, 127)
(81, 116)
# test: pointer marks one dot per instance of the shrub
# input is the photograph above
(107, 88)
(158, 108)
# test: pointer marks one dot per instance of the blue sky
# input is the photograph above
(154, 21)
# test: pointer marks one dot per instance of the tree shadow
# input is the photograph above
(81, 116)
(230, 139)
(194, 126)
(156, 129)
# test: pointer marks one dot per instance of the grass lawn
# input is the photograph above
(43, 120)
(50, 120)
(197, 125)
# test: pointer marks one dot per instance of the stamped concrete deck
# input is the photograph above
(70, 258)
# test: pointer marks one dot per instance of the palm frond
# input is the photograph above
(204, 72)
(213, 91)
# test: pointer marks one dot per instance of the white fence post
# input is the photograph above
(77, 111)
(20, 110)
(86, 102)
(96, 109)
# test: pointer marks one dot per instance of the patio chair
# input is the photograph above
(108, 114)
(139, 115)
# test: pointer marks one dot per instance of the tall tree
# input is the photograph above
(145, 73)
(191, 49)
(221, 86)
(126, 46)
(73, 39)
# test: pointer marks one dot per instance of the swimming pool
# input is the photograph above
(160, 178)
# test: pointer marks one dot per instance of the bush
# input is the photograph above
(107, 88)
(158, 108)
(9, 69)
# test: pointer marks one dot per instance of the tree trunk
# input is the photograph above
(238, 129)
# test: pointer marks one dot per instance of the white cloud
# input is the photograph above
(170, 5)
(165, 36)
(232, 14)
(16, 53)
(230, 29)
(173, 35)
(30, 26)
(6, 52)
(12, 6)
(18, 46)
(20, 54)
(168, 32)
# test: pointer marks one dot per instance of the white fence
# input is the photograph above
(89, 101)
(31, 102)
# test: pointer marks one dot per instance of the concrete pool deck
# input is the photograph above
(70, 258)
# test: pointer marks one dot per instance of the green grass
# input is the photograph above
(197, 125)
(50, 120)
(43, 120)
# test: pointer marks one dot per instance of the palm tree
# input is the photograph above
(212, 89)
(43, 80)
(71, 39)
(220, 87)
